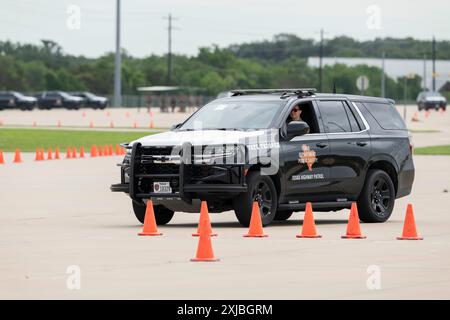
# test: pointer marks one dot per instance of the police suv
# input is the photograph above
(247, 147)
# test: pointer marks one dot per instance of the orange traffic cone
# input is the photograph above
(409, 228)
(59, 123)
(108, 114)
(353, 229)
(127, 114)
(81, 152)
(204, 215)
(100, 150)
(57, 153)
(49, 154)
(118, 151)
(135, 125)
(68, 153)
(150, 228)
(83, 114)
(2, 159)
(204, 248)
(91, 124)
(256, 229)
(309, 227)
(415, 117)
(151, 124)
(34, 124)
(94, 151)
(74, 152)
(123, 151)
(17, 156)
(38, 157)
(111, 124)
(110, 150)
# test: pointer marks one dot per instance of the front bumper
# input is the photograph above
(188, 180)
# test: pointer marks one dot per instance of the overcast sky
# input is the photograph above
(206, 22)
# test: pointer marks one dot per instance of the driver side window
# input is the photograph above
(307, 115)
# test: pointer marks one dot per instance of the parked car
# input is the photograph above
(14, 99)
(345, 149)
(91, 100)
(58, 99)
(431, 100)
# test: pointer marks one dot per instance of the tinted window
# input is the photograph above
(351, 117)
(334, 117)
(386, 115)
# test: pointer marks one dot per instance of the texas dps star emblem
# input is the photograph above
(307, 156)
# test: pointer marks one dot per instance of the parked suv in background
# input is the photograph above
(431, 100)
(346, 148)
(91, 100)
(58, 99)
(14, 99)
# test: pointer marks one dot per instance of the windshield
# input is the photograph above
(234, 115)
(88, 95)
(17, 94)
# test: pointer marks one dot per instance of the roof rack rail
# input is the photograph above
(300, 92)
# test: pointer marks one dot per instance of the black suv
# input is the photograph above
(247, 147)
(14, 99)
(91, 100)
(58, 99)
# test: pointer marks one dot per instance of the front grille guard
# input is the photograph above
(185, 189)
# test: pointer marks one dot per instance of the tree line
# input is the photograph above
(279, 63)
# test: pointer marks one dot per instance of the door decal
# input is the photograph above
(307, 156)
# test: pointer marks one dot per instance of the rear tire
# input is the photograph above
(261, 189)
(162, 214)
(376, 202)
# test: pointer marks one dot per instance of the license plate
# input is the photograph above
(162, 187)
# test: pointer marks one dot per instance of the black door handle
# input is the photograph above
(361, 143)
(321, 144)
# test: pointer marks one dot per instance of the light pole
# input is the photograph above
(408, 76)
(118, 62)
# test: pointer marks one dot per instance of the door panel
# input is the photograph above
(306, 169)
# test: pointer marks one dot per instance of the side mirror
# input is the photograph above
(175, 126)
(296, 128)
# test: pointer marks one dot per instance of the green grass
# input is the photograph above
(433, 150)
(30, 139)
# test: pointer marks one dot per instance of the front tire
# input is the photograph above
(162, 214)
(376, 202)
(262, 190)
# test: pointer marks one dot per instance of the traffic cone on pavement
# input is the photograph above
(409, 227)
(118, 151)
(57, 157)
(415, 117)
(110, 150)
(68, 153)
(74, 152)
(204, 249)
(49, 154)
(309, 227)
(17, 156)
(2, 159)
(37, 156)
(111, 124)
(150, 228)
(82, 152)
(256, 229)
(204, 215)
(353, 229)
(91, 124)
(94, 151)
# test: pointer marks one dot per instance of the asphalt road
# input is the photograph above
(57, 214)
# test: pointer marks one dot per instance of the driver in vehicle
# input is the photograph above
(295, 115)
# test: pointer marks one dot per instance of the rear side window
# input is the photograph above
(386, 115)
(337, 117)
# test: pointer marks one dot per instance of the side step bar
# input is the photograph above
(318, 205)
